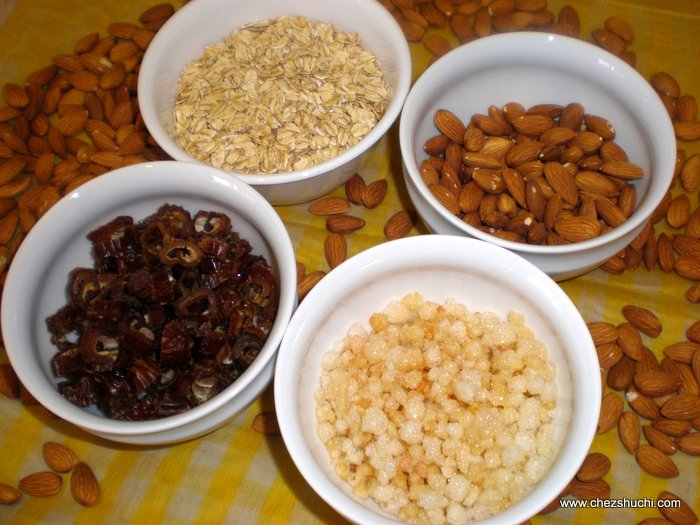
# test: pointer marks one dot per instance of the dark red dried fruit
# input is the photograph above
(173, 311)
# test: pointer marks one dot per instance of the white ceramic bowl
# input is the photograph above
(37, 279)
(536, 68)
(480, 275)
(183, 38)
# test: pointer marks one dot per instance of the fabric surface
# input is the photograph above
(236, 475)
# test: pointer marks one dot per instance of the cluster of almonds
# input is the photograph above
(548, 174)
(72, 120)
(340, 222)
(644, 397)
(679, 250)
(84, 486)
(471, 19)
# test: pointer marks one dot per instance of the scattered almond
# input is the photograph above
(335, 249)
(681, 514)
(9, 383)
(84, 486)
(58, 457)
(594, 466)
(629, 430)
(611, 409)
(309, 280)
(329, 206)
(399, 225)
(41, 484)
(344, 224)
(266, 423)
(655, 462)
(9, 494)
(642, 319)
(374, 193)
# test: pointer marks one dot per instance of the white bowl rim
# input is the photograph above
(499, 43)
(171, 176)
(422, 248)
(404, 70)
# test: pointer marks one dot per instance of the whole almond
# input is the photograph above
(655, 462)
(445, 197)
(329, 206)
(344, 224)
(9, 494)
(335, 249)
(642, 319)
(682, 351)
(620, 27)
(608, 40)
(672, 427)
(602, 332)
(687, 131)
(656, 384)
(399, 225)
(680, 513)
(41, 484)
(84, 486)
(354, 188)
(594, 466)
(15, 96)
(665, 84)
(629, 430)
(621, 375)
(611, 409)
(641, 404)
(682, 406)
(374, 193)
(266, 423)
(72, 122)
(9, 383)
(690, 173)
(608, 354)
(308, 281)
(687, 267)
(58, 457)
(690, 443)
(658, 439)
(576, 229)
(590, 490)
(449, 125)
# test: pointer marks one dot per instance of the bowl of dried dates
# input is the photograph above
(288, 96)
(544, 144)
(148, 305)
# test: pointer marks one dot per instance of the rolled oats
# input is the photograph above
(278, 95)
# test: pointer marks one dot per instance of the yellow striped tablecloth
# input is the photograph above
(236, 475)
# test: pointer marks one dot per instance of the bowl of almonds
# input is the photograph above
(147, 306)
(541, 143)
(287, 96)
(437, 379)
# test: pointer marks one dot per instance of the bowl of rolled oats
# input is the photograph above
(287, 96)
(544, 144)
(147, 306)
(437, 379)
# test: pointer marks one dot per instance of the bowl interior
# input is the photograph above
(535, 68)
(36, 285)
(183, 38)
(480, 275)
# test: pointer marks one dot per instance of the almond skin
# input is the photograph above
(690, 443)
(656, 384)
(41, 484)
(9, 383)
(58, 457)
(307, 282)
(682, 406)
(84, 486)
(449, 125)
